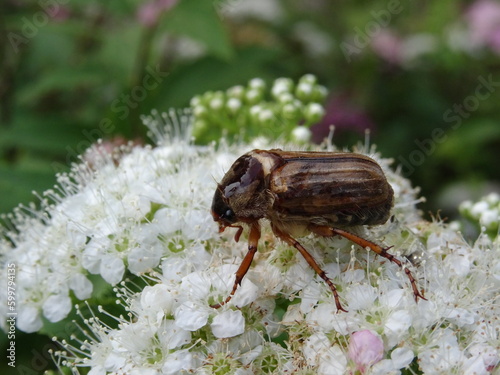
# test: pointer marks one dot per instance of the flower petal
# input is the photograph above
(228, 324)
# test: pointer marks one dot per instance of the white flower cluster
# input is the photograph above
(150, 215)
(110, 220)
(485, 213)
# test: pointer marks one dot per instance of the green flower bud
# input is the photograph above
(308, 78)
(282, 85)
(257, 84)
(200, 111)
(313, 113)
(196, 100)
(199, 127)
(301, 134)
(304, 91)
(266, 116)
(236, 92)
(217, 101)
(233, 105)
(291, 111)
(285, 97)
(254, 96)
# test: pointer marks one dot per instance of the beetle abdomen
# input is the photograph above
(342, 189)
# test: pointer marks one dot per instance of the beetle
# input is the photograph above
(300, 193)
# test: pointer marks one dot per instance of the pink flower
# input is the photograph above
(149, 13)
(365, 349)
(114, 148)
(388, 46)
(60, 13)
(483, 18)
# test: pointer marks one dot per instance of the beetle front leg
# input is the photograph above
(330, 232)
(309, 258)
(253, 240)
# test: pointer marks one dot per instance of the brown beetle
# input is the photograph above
(303, 192)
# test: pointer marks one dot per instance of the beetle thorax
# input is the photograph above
(244, 189)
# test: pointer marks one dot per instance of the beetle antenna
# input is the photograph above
(367, 140)
(329, 139)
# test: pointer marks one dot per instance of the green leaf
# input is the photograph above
(63, 79)
(118, 54)
(213, 74)
(18, 183)
(199, 20)
(42, 133)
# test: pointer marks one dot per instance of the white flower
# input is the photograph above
(489, 217)
(392, 298)
(442, 358)
(56, 307)
(397, 325)
(492, 198)
(247, 293)
(81, 286)
(478, 208)
(111, 269)
(400, 358)
(172, 336)
(461, 316)
(185, 261)
(228, 324)
(361, 297)
(483, 359)
(332, 362)
(143, 258)
(458, 264)
(177, 362)
(325, 318)
(29, 319)
(319, 353)
(191, 316)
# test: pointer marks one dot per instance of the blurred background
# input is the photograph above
(423, 76)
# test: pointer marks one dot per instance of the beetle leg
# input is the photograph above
(253, 240)
(330, 232)
(309, 258)
(222, 228)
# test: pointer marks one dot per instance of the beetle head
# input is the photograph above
(221, 211)
(238, 197)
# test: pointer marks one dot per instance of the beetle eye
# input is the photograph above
(229, 215)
